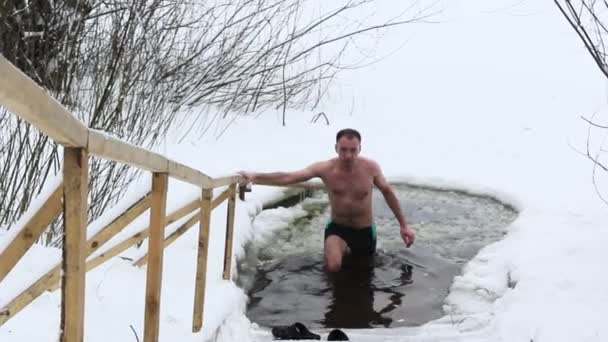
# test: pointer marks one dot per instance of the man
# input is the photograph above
(349, 179)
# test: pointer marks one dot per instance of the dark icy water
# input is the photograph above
(286, 282)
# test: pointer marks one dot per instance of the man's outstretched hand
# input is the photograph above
(407, 235)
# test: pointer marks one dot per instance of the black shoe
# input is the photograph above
(337, 335)
(296, 331)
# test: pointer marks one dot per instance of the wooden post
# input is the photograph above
(49, 211)
(155, 256)
(229, 232)
(76, 177)
(201, 260)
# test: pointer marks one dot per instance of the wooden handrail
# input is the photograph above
(223, 181)
(22, 96)
(108, 147)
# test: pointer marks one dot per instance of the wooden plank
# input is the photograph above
(118, 224)
(24, 240)
(49, 281)
(22, 96)
(229, 232)
(188, 174)
(220, 198)
(155, 257)
(112, 148)
(180, 213)
(75, 190)
(223, 181)
(201, 260)
(181, 230)
(171, 238)
(117, 249)
(108, 147)
(140, 236)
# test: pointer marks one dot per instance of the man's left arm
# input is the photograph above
(391, 199)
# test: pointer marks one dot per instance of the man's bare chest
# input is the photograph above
(355, 185)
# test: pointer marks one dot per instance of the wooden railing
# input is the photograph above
(23, 97)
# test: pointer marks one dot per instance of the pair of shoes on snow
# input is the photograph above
(298, 331)
(337, 335)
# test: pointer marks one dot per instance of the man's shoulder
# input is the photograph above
(322, 165)
(369, 162)
(327, 162)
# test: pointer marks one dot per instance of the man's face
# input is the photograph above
(348, 149)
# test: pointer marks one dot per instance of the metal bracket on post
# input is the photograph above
(243, 189)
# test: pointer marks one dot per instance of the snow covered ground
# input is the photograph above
(487, 101)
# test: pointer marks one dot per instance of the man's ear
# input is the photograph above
(336, 148)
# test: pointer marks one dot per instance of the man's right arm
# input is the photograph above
(282, 178)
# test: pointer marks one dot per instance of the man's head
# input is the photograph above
(348, 145)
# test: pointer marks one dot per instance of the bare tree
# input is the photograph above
(129, 67)
(589, 19)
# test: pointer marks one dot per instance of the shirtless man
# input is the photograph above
(349, 179)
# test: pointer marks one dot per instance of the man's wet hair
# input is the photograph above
(349, 133)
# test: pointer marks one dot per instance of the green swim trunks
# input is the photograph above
(361, 241)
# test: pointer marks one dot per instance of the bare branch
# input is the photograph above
(129, 67)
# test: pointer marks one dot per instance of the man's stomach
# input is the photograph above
(356, 218)
(353, 212)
